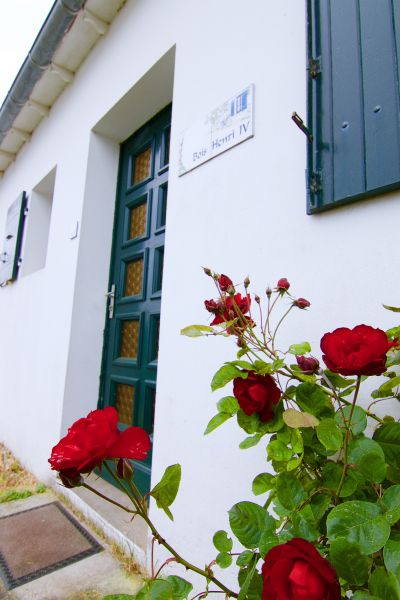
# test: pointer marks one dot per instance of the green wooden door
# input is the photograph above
(129, 370)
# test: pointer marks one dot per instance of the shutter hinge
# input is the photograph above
(315, 183)
(314, 67)
(297, 120)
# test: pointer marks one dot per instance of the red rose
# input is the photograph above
(308, 364)
(301, 303)
(257, 394)
(224, 282)
(212, 306)
(283, 285)
(228, 310)
(95, 438)
(296, 571)
(358, 351)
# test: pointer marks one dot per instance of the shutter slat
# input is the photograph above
(380, 93)
(348, 118)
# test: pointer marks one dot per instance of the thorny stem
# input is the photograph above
(165, 563)
(205, 593)
(141, 511)
(347, 438)
(89, 487)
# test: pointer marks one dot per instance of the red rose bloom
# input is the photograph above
(296, 571)
(257, 394)
(358, 351)
(95, 438)
(283, 285)
(228, 311)
(224, 282)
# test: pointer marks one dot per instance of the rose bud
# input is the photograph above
(124, 469)
(224, 282)
(212, 306)
(308, 364)
(268, 291)
(71, 482)
(301, 303)
(257, 299)
(283, 285)
(246, 282)
(207, 271)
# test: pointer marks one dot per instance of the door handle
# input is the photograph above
(111, 298)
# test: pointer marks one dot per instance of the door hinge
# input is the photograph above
(111, 301)
(314, 67)
(315, 183)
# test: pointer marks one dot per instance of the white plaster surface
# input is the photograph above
(242, 213)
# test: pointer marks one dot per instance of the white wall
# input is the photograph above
(243, 213)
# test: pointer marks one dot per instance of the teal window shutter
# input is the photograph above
(10, 258)
(353, 100)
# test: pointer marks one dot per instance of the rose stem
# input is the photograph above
(347, 438)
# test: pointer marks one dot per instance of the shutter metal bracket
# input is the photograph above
(111, 301)
(314, 67)
(315, 183)
(300, 124)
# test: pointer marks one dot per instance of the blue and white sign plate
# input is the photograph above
(226, 126)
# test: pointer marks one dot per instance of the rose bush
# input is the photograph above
(95, 438)
(296, 571)
(328, 524)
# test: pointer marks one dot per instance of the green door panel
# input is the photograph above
(129, 368)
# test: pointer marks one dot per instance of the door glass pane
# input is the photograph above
(167, 140)
(158, 268)
(151, 399)
(124, 398)
(154, 335)
(141, 166)
(137, 221)
(129, 339)
(133, 277)
(162, 205)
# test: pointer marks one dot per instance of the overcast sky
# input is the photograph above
(20, 22)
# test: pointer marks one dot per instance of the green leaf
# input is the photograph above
(319, 505)
(349, 562)
(263, 483)
(337, 380)
(386, 389)
(166, 490)
(277, 450)
(369, 458)
(304, 524)
(289, 490)
(311, 398)
(294, 418)
(223, 560)
(384, 584)
(119, 597)
(299, 349)
(222, 542)
(392, 308)
(359, 522)
(180, 587)
(246, 577)
(225, 374)
(244, 558)
(388, 437)
(358, 420)
(393, 333)
(391, 503)
(250, 424)
(249, 442)
(216, 421)
(364, 596)
(196, 330)
(248, 520)
(228, 404)
(391, 556)
(332, 474)
(329, 434)
(156, 589)
(268, 540)
(393, 358)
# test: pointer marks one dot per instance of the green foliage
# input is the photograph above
(166, 490)
(391, 556)
(290, 490)
(368, 457)
(196, 330)
(222, 542)
(330, 435)
(391, 503)
(349, 562)
(170, 588)
(358, 420)
(294, 418)
(248, 521)
(216, 421)
(313, 399)
(225, 374)
(384, 585)
(388, 437)
(299, 349)
(359, 522)
(262, 483)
